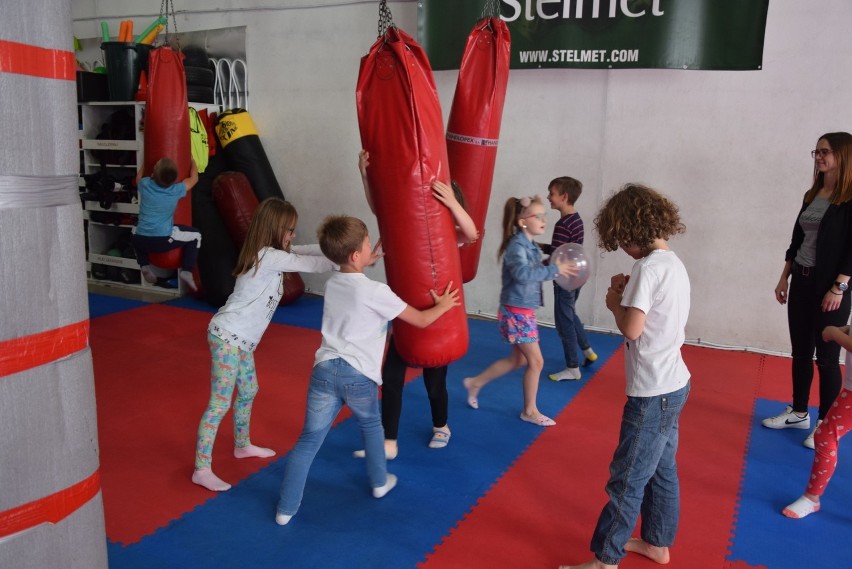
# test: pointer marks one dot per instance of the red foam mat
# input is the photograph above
(152, 384)
(543, 511)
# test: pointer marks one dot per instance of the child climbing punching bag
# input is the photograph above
(401, 125)
(167, 119)
(474, 125)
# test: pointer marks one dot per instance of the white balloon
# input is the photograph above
(573, 253)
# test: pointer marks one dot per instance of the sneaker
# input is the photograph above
(380, 492)
(591, 357)
(809, 440)
(569, 374)
(787, 420)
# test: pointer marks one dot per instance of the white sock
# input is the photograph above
(253, 451)
(205, 477)
(390, 482)
(187, 278)
(802, 507)
(282, 519)
(148, 274)
(569, 373)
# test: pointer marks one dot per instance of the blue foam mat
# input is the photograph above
(777, 467)
(339, 524)
(304, 312)
(102, 304)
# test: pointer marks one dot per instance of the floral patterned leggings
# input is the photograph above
(838, 420)
(231, 367)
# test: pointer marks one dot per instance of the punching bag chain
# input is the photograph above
(385, 18)
(491, 9)
(167, 8)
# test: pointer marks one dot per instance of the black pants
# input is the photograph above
(807, 321)
(393, 380)
(182, 237)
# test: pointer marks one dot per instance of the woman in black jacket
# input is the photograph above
(820, 262)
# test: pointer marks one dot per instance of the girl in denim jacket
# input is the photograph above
(523, 274)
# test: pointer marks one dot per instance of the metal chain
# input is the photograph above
(385, 18)
(167, 7)
(491, 9)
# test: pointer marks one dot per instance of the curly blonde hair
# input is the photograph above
(636, 215)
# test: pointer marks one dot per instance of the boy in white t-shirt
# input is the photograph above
(347, 366)
(650, 307)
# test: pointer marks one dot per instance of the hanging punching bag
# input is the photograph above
(401, 124)
(474, 125)
(167, 132)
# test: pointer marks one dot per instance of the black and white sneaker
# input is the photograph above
(788, 420)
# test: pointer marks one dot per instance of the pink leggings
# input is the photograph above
(838, 420)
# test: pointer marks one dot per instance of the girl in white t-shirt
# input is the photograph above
(650, 308)
(234, 332)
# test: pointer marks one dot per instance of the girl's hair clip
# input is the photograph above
(525, 202)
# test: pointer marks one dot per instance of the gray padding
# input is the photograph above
(42, 270)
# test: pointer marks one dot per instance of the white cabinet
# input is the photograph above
(109, 257)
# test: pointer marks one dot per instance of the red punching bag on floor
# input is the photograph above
(473, 129)
(401, 124)
(167, 131)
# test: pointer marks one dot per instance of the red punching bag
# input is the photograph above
(474, 125)
(167, 131)
(401, 124)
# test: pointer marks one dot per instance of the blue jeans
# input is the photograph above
(568, 324)
(333, 383)
(643, 477)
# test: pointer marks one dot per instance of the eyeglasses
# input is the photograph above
(821, 152)
(538, 216)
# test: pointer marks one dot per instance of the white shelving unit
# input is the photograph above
(101, 237)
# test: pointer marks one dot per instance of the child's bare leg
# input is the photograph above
(652, 552)
(535, 363)
(497, 369)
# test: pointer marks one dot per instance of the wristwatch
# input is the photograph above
(842, 287)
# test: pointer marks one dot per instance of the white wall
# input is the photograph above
(731, 148)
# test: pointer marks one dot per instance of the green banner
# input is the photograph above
(606, 34)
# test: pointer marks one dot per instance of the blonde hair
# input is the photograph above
(340, 236)
(271, 221)
(513, 211)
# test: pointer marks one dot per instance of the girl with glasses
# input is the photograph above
(523, 274)
(235, 331)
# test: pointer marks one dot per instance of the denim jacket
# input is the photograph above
(523, 273)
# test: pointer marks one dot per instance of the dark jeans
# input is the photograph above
(393, 380)
(807, 321)
(183, 236)
(568, 324)
(643, 477)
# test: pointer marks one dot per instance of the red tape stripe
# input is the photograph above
(25, 59)
(50, 509)
(25, 353)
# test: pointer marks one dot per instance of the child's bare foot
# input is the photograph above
(472, 392)
(253, 451)
(593, 564)
(652, 552)
(205, 477)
